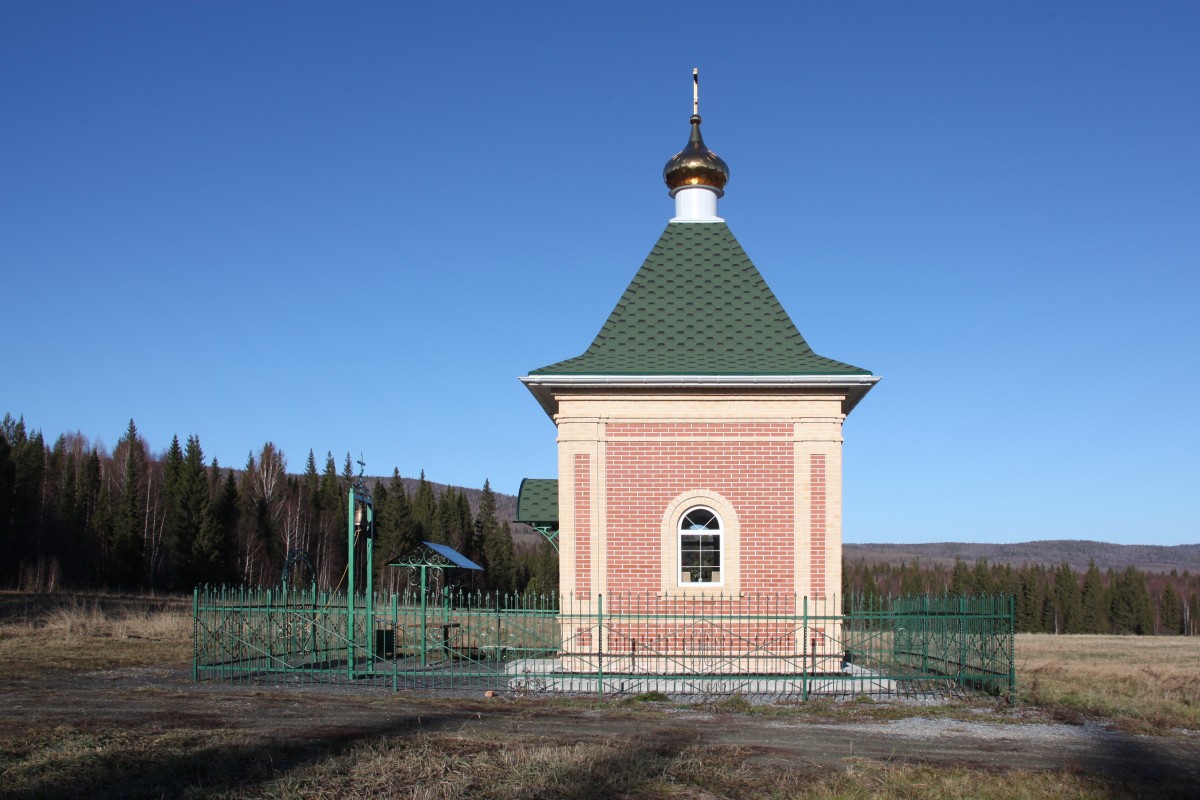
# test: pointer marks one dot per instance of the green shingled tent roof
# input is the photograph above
(698, 306)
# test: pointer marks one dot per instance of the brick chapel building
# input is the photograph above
(699, 436)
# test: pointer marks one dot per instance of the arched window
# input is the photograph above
(700, 547)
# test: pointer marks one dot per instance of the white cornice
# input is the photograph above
(616, 381)
(544, 387)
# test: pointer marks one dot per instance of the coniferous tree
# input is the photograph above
(1067, 599)
(981, 579)
(1095, 602)
(8, 538)
(912, 582)
(1132, 611)
(465, 541)
(312, 493)
(28, 455)
(191, 512)
(213, 550)
(127, 551)
(1170, 613)
(400, 514)
(176, 552)
(960, 578)
(445, 518)
(1030, 600)
(503, 560)
(332, 535)
(424, 507)
(497, 557)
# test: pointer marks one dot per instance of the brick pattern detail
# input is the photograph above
(817, 522)
(754, 475)
(583, 525)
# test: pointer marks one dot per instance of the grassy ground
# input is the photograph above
(1142, 683)
(42, 633)
(194, 764)
(1147, 684)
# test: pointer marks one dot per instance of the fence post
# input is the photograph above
(925, 633)
(1012, 650)
(804, 651)
(395, 644)
(600, 645)
(195, 634)
(962, 638)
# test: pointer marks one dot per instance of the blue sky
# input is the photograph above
(351, 227)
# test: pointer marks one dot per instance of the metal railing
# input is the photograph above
(769, 645)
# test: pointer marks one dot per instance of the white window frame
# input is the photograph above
(718, 532)
(671, 568)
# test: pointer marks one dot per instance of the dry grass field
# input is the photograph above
(53, 632)
(90, 730)
(1149, 684)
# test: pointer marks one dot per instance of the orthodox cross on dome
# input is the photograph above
(696, 176)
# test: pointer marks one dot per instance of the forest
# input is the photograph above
(73, 515)
(1048, 599)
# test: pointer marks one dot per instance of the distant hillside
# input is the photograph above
(1076, 552)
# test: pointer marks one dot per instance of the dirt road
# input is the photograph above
(163, 698)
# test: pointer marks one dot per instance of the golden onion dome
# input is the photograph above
(696, 165)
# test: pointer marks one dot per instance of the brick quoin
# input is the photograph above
(817, 521)
(583, 525)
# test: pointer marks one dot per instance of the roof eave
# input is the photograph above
(542, 386)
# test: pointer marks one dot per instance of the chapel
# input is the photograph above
(699, 436)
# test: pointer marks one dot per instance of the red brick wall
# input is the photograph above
(643, 477)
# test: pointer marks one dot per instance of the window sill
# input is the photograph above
(714, 593)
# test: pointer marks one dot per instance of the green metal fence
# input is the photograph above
(773, 646)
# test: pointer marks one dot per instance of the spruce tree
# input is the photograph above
(401, 515)
(8, 537)
(331, 545)
(981, 578)
(1170, 613)
(1030, 600)
(1068, 599)
(497, 557)
(466, 541)
(312, 489)
(1095, 602)
(912, 582)
(1132, 611)
(191, 512)
(175, 556)
(127, 550)
(502, 561)
(424, 507)
(28, 476)
(960, 579)
(445, 518)
(213, 550)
